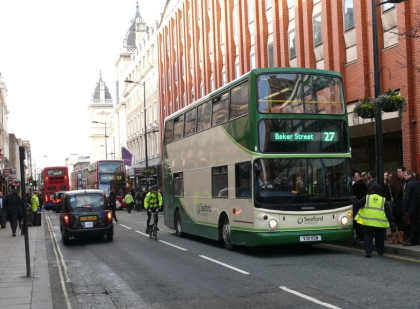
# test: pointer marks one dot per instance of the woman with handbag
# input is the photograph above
(394, 196)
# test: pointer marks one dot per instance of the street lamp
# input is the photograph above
(104, 123)
(377, 87)
(144, 112)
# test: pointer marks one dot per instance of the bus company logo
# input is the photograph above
(310, 220)
(203, 210)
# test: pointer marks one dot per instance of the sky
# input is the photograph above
(51, 55)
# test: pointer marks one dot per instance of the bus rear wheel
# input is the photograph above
(226, 235)
(178, 224)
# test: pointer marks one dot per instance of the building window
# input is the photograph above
(387, 6)
(348, 14)
(270, 55)
(317, 30)
(292, 44)
(210, 44)
(223, 78)
(250, 11)
(237, 72)
(222, 38)
(268, 4)
(252, 61)
(290, 3)
(235, 22)
(219, 181)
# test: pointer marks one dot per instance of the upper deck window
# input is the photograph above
(296, 93)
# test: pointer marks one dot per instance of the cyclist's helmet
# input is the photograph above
(155, 188)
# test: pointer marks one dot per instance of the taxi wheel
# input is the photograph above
(109, 237)
(66, 240)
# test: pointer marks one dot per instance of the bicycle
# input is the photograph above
(153, 229)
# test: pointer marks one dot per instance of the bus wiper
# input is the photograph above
(328, 200)
(293, 198)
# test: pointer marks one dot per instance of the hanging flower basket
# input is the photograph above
(364, 109)
(391, 101)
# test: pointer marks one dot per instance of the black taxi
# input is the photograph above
(85, 213)
(58, 200)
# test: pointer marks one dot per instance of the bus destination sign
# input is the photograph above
(304, 136)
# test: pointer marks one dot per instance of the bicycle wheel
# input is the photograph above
(150, 231)
(155, 231)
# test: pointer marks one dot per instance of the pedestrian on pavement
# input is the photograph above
(34, 203)
(40, 198)
(12, 204)
(138, 200)
(2, 212)
(374, 215)
(359, 190)
(112, 204)
(394, 195)
(371, 176)
(400, 172)
(411, 207)
(129, 201)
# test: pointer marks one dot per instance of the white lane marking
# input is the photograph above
(147, 235)
(61, 263)
(125, 226)
(309, 298)
(173, 245)
(226, 265)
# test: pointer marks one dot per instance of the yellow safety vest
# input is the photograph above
(373, 213)
(34, 202)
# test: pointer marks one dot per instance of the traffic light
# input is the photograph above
(31, 181)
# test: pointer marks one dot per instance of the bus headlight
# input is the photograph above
(344, 220)
(272, 224)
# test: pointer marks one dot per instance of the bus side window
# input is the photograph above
(243, 180)
(203, 116)
(239, 100)
(168, 132)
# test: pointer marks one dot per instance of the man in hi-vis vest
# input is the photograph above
(373, 215)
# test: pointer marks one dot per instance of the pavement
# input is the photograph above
(19, 291)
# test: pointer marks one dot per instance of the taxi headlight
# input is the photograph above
(272, 224)
(344, 220)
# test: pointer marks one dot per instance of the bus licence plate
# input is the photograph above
(88, 218)
(89, 224)
(310, 238)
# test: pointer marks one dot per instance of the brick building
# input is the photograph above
(204, 44)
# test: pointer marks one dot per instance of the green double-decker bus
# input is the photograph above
(264, 160)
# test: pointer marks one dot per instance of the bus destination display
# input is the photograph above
(304, 136)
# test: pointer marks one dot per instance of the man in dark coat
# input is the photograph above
(410, 205)
(13, 205)
(371, 182)
(359, 190)
(2, 212)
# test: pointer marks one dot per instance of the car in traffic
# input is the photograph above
(58, 200)
(85, 214)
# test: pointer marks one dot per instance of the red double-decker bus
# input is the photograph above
(107, 175)
(56, 178)
(76, 180)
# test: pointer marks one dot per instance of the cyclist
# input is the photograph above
(152, 201)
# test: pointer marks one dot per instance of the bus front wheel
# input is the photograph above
(226, 234)
(178, 224)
